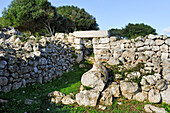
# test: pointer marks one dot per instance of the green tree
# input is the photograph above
(81, 20)
(33, 16)
(134, 30)
(116, 32)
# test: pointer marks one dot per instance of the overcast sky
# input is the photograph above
(118, 13)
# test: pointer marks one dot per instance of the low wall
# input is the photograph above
(28, 61)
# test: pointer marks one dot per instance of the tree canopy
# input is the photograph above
(133, 30)
(81, 20)
(33, 16)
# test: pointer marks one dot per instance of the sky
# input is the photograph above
(118, 13)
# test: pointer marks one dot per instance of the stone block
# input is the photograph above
(159, 42)
(91, 34)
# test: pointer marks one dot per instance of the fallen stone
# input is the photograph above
(3, 63)
(106, 98)
(95, 78)
(87, 98)
(154, 96)
(3, 81)
(102, 107)
(152, 109)
(141, 97)
(128, 89)
(67, 100)
(114, 89)
(166, 95)
(161, 85)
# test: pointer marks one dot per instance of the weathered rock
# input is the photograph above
(106, 98)
(154, 96)
(167, 77)
(151, 36)
(95, 78)
(56, 94)
(152, 109)
(149, 42)
(87, 97)
(165, 95)
(139, 44)
(3, 81)
(90, 34)
(140, 97)
(102, 107)
(161, 85)
(167, 41)
(67, 100)
(56, 100)
(16, 85)
(159, 42)
(114, 89)
(3, 63)
(128, 89)
(7, 88)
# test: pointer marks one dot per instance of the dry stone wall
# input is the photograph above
(24, 62)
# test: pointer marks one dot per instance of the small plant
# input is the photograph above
(86, 88)
(92, 55)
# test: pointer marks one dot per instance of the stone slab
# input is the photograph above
(91, 34)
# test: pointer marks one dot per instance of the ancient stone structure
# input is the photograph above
(28, 62)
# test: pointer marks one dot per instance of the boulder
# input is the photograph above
(161, 85)
(141, 97)
(3, 81)
(154, 96)
(166, 95)
(87, 97)
(106, 98)
(56, 96)
(95, 78)
(128, 89)
(114, 89)
(3, 63)
(152, 109)
(67, 100)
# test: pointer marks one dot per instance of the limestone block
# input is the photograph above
(67, 100)
(106, 98)
(7, 88)
(165, 95)
(87, 98)
(155, 48)
(104, 40)
(159, 42)
(140, 97)
(3, 81)
(161, 85)
(91, 34)
(78, 41)
(95, 78)
(164, 56)
(128, 89)
(149, 42)
(152, 109)
(164, 48)
(3, 63)
(139, 44)
(167, 41)
(16, 85)
(154, 96)
(151, 36)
